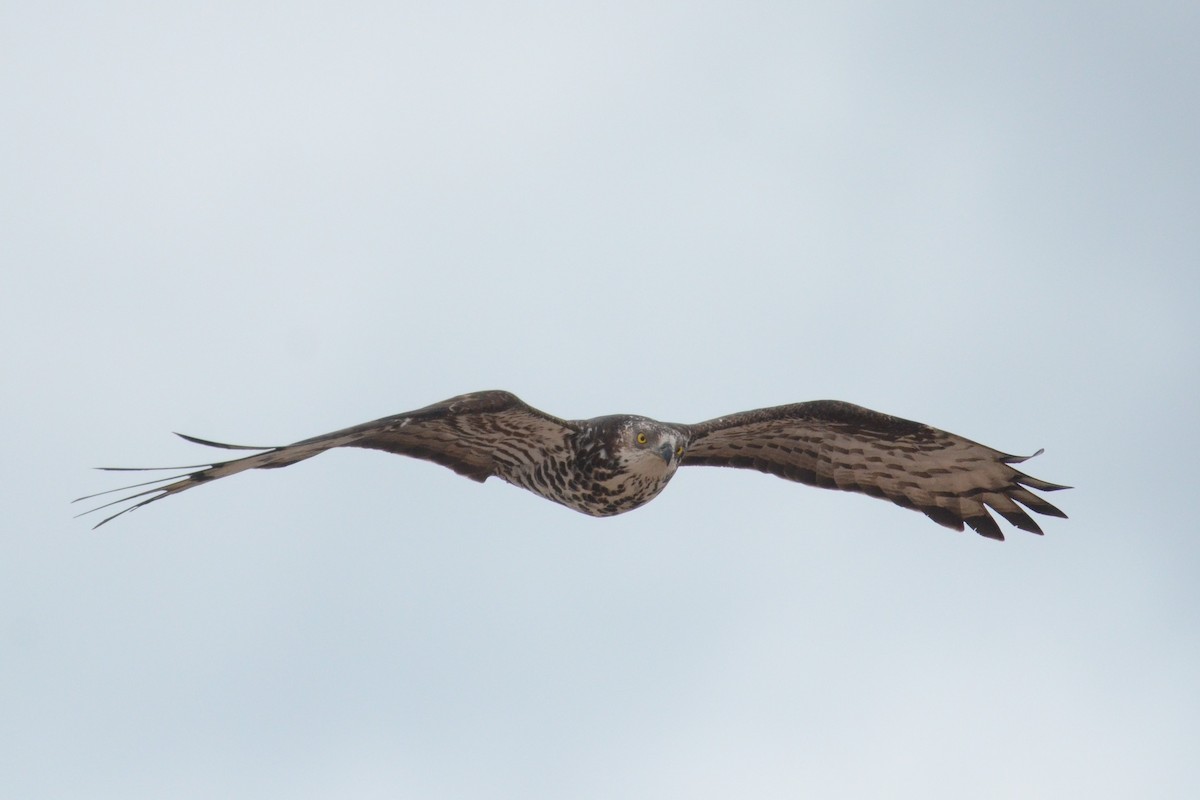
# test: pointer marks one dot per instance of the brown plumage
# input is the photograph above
(608, 465)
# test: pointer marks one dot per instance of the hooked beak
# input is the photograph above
(667, 451)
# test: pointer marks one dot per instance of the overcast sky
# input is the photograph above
(257, 222)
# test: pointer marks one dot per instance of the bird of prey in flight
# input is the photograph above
(609, 465)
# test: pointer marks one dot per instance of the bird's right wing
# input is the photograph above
(476, 435)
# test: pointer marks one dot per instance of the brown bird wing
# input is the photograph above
(477, 435)
(837, 445)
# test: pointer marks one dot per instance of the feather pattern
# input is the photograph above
(836, 445)
(609, 465)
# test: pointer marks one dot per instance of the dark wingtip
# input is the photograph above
(985, 526)
(1041, 485)
(943, 517)
(1009, 459)
(124, 488)
(221, 445)
(152, 469)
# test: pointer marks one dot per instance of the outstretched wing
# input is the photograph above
(837, 445)
(476, 435)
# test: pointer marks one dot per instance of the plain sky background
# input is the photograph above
(257, 222)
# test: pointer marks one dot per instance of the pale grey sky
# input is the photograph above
(257, 222)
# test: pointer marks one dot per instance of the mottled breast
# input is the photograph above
(611, 465)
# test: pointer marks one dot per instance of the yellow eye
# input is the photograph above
(679, 450)
(641, 438)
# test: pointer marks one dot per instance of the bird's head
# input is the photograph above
(640, 445)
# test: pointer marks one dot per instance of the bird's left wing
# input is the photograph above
(476, 435)
(837, 445)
